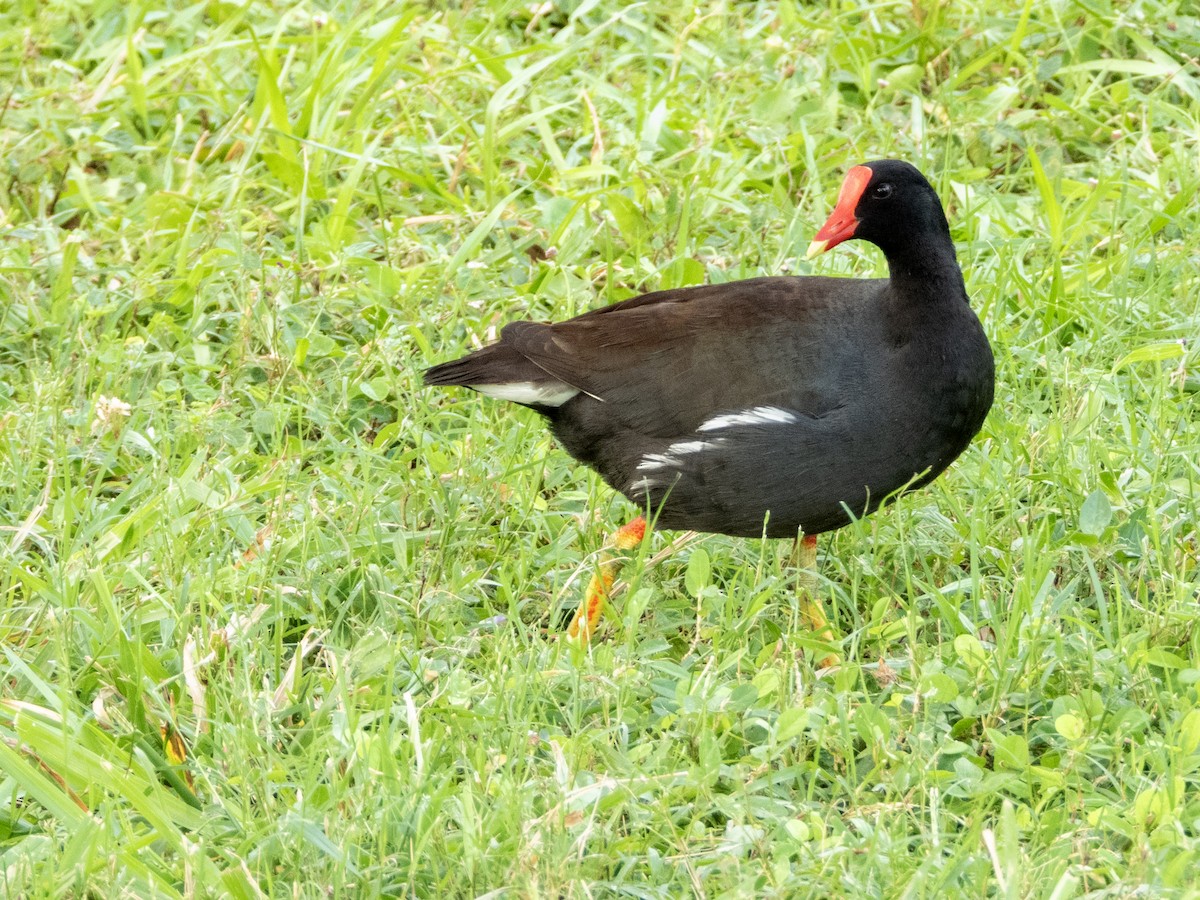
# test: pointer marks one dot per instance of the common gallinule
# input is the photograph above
(775, 407)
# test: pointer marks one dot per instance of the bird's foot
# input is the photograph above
(810, 604)
(599, 588)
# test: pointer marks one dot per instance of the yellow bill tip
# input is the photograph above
(816, 248)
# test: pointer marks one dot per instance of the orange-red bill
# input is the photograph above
(842, 222)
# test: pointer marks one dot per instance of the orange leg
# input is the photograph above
(805, 558)
(587, 617)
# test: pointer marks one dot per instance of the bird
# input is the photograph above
(776, 406)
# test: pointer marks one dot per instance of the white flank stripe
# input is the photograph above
(671, 457)
(688, 447)
(553, 393)
(652, 461)
(641, 486)
(760, 415)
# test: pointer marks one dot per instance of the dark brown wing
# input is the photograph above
(663, 363)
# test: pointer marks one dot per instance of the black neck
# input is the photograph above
(925, 264)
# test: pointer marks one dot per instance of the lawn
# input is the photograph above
(275, 620)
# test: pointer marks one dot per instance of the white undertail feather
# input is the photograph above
(552, 393)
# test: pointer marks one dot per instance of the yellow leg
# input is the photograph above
(587, 617)
(805, 558)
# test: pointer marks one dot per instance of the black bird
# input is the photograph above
(772, 406)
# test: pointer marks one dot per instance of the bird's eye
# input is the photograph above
(882, 191)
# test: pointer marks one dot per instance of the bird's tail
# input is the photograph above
(500, 371)
(496, 364)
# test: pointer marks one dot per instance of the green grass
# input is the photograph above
(340, 593)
